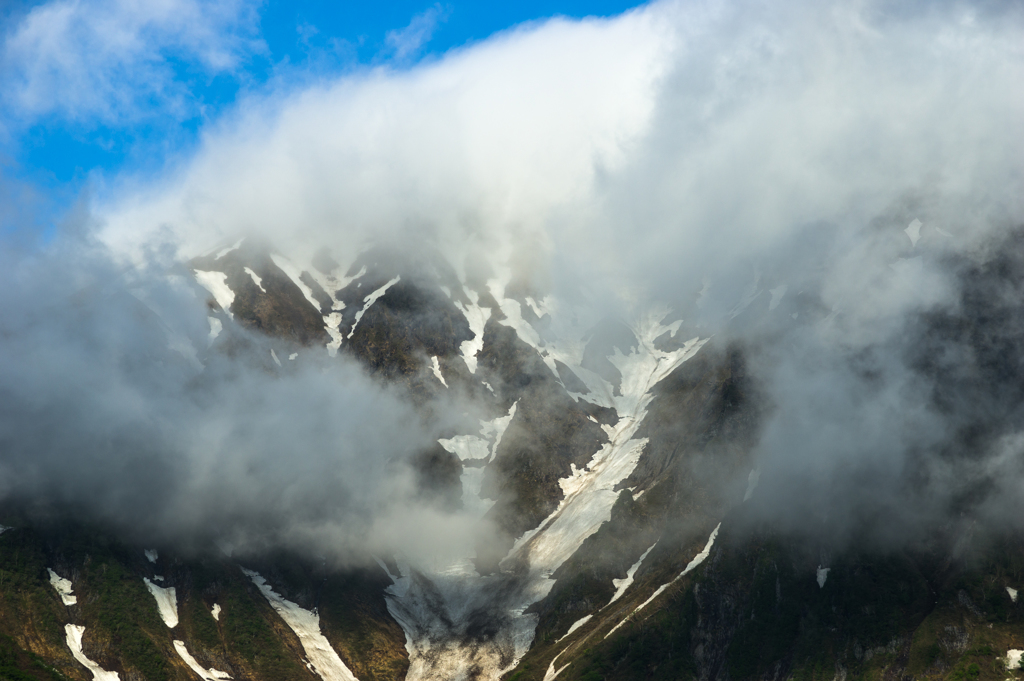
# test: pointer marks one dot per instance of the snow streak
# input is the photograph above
(575, 625)
(306, 625)
(622, 584)
(210, 674)
(370, 300)
(697, 560)
(74, 640)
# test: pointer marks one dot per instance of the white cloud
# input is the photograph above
(496, 136)
(406, 42)
(112, 61)
(654, 146)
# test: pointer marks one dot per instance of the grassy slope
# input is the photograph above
(31, 615)
(755, 610)
(124, 631)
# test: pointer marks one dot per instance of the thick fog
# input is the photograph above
(822, 184)
(117, 412)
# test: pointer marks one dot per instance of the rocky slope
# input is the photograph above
(613, 462)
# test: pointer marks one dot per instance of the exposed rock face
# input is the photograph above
(267, 300)
(549, 434)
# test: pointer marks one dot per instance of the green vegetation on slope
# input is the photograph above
(20, 665)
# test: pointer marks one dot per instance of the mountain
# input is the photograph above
(607, 469)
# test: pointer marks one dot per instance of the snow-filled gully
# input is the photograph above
(322, 658)
(205, 674)
(622, 584)
(552, 672)
(167, 604)
(74, 632)
(437, 607)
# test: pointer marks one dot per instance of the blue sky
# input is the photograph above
(96, 87)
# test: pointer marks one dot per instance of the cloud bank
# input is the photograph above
(116, 412)
(760, 167)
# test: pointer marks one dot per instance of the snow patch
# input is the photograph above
(215, 611)
(1013, 593)
(166, 602)
(514, 316)
(151, 555)
(913, 232)
(63, 587)
(497, 428)
(1013, 658)
(436, 367)
(777, 293)
(256, 279)
(477, 317)
(74, 640)
(539, 309)
(210, 674)
(370, 300)
(306, 625)
(331, 284)
(750, 296)
(295, 274)
(273, 356)
(622, 584)
(222, 253)
(216, 326)
(575, 625)
(292, 356)
(822, 575)
(332, 322)
(752, 480)
(552, 672)
(478, 448)
(216, 284)
(693, 564)
(4, 528)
